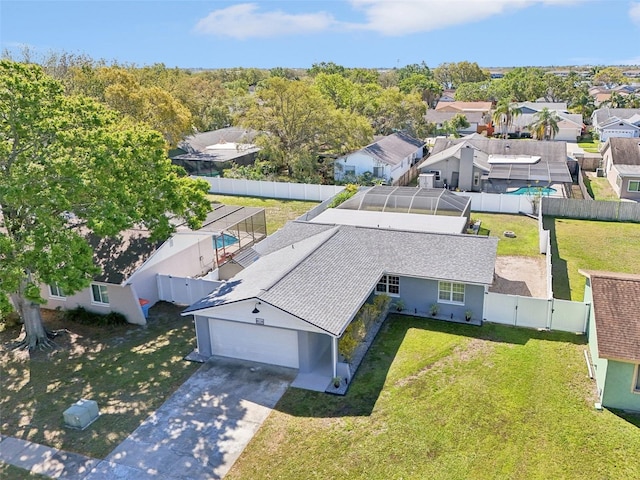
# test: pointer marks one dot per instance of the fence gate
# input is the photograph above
(532, 312)
(184, 290)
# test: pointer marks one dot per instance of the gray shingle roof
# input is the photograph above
(601, 115)
(325, 279)
(392, 149)
(624, 151)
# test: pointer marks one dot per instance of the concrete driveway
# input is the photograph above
(205, 425)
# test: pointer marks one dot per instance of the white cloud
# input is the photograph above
(245, 21)
(392, 18)
(634, 13)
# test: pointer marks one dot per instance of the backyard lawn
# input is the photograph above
(130, 371)
(439, 400)
(590, 245)
(278, 212)
(591, 146)
(526, 229)
(600, 188)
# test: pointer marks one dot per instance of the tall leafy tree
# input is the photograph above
(69, 166)
(611, 76)
(545, 124)
(504, 114)
(451, 75)
(524, 84)
(300, 124)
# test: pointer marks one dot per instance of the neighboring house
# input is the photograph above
(291, 305)
(616, 122)
(570, 125)
(480, 164)
(477, 120)
(131, 263)
(448, 95)
(614, 337)
(621, 162)
(389, 159)
(465, 107)
(209, 153)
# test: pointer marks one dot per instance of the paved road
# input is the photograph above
(199, 432)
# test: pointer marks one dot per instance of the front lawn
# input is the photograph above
(590, 245)
(526, 229)
(439, 400)
(129, 370)
(278, 212)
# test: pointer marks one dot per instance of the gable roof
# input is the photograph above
(466, 106)
(220, 145)
(616, 302)
(552, 166)
(480, 158)
(324, 278)
(601, 115)
(392, 149)
(625, 152)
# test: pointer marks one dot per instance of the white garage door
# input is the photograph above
(257, 343)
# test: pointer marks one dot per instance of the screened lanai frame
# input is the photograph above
(426, 201)
(235, 229)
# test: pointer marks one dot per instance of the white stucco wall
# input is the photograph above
(122, 299)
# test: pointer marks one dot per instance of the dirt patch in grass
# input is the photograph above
(516, 275)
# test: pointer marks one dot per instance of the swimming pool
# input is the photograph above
(533, 191)
(224, 240)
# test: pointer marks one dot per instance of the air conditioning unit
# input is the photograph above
(599, 172)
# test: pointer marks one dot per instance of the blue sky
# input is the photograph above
(353, 33)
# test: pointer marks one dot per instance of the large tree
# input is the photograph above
(70, 167)
(300, 125)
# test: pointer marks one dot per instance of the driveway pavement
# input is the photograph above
(198, 433)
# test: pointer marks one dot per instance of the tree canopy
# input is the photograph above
(70, 167)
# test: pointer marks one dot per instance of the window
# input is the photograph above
(636, 380)
(378, 172)
(99, 294)
(389, 284)
(634, 186)
(349, 169)
(450, 292)
(476, 179)
(55, 291)
(437, 172)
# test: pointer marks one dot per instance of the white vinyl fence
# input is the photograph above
(551, 314)
(184, 290)
(259, 188)
(499, 202)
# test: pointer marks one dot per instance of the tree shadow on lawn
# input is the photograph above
(369, 380)
(561, 285)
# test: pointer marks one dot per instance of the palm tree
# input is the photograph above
(545, 125)
(504, 114)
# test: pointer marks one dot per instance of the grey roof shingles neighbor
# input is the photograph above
(551, 167)
(602, 115)
(392, 149)
(325, 278)
(624, 151)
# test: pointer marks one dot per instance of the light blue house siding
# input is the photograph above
(419, 294)
(614, 379)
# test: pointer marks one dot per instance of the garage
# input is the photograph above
(257, 343)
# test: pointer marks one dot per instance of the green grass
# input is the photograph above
(278, 212)
(591, 147)
(128, 370)
(14, 473)
(590, 245)
(440, 401)
(600, 188)
(526, 229)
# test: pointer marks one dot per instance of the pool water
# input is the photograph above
(533, 191)
(224, 240)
